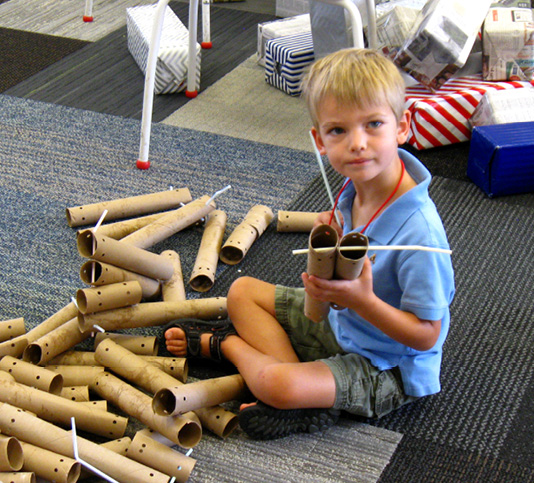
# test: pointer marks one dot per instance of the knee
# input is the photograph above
(278, 388)
(240, 289)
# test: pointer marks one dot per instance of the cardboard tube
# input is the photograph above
(320, 264)
(59, 340)
(11, 454)
(218, 420)
(98, 273)
(123, 255)
(77, 375)
(101, 404)
(32, 375)
(245, 234)
(170, 224)
(123, 228)
(119, 446)
(196, 395)
(49, 465)
(167, 460)
(11, 328)
(19, 477)
(15, 347)
(173, 290)
(177, 367)
(205, 267)
(106, 297)
(155, 313)
(59, 410)
(127, 207)
(178, 429)
(295, 221)
(24, 426)
(4, 376)
(75, 393)
(138, 344)
(130, 366)
(349, 264)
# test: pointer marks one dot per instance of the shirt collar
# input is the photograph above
(388, 223)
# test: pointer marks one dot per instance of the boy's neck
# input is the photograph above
(371, 195)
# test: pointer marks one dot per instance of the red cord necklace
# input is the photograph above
(379, 209)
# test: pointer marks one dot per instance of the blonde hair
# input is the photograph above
(359, 77)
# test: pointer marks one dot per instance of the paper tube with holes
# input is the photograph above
(50, 465)
(29, 428)
(32, 375)
(321, 264)
(127, 207)
(97, 273)
(167, 460)
(295, 221)
(15, 347)
(75, 393)
(180, 430)
(123, 255)
(245, 234)
(18, 477)
(123, 228)
(77, 375)
(155, 313)
(55, 342)
(174, 288)
(349, 263)
(138, 344)
(107, 297)
(172, 223)
(203, 274)
(11, 454)
(196, 395)
(11, 328)
(152, 379)
(177, 367)
(59, 410)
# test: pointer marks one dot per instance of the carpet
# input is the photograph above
(103, 76)
(57, 157)
(24, 54)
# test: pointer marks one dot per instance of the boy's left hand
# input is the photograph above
(344, 293)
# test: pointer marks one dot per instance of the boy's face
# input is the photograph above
(360, 143)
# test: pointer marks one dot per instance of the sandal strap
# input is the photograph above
(217, 336)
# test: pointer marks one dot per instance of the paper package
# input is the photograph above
(500, 107)
(442, 118)
(441, 40)
(280, 28)
(508, 44)
(171, 67)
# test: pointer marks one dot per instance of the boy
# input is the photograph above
(384, 349)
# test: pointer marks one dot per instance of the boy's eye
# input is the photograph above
(375, 124)
(337, 130)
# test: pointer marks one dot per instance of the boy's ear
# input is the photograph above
(318, 141)
(403, 128)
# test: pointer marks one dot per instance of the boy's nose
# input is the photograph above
(358, 140)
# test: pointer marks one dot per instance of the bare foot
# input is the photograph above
(176, 343)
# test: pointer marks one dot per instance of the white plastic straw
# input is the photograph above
(82, 462)
(218, 193)
(323, 172)
(304, 251)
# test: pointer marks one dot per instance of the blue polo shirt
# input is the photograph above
(414, 281)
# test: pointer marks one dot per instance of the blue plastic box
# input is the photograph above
(501, 158)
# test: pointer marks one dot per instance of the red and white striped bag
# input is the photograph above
(442, 117)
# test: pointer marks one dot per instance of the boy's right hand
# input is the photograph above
(323, 219)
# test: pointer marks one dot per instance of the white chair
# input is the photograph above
(146, 119)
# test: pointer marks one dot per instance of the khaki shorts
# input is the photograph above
(360, 387)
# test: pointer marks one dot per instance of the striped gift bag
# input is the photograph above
(171, 66)
(286, 59)
(442, 117)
